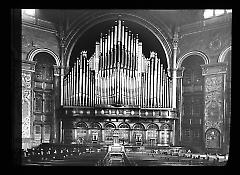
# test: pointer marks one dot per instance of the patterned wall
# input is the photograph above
(26, 104)
(214, 107)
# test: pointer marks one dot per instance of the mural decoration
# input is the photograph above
(26, 104)
(213, 110)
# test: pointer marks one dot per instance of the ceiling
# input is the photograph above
(170, 18)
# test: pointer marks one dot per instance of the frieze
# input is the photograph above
(208, 69)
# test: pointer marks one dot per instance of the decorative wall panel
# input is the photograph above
(26, 104)
(214, 107)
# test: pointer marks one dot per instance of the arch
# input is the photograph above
(82, 125)
(212, 136)
(33, 52)
(165, 126)
(138, 126)
(224, 53)
(157, 32)
(122, 124)
(153, 126)
(180, 60)
(109, 124)
(96, 125)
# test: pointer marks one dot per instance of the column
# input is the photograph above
(28, 68)
(179, 103)
(213, 123)
(56, 103)
(174, 70)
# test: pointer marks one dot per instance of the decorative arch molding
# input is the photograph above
(96, 123)
(123, 123)
(223, 54)
(180, 60)
(82, 123)
(153, 124)
(33, 52)
(76, 33)
(110, 123)
(133, 127)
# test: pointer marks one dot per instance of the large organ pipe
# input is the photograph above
(158, 82)
(152, 85)
(106, 58)
(149, 84)
(87, 72)
(74, 84)
(77, 81)
(155, 80)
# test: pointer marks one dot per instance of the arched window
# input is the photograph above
(43, 93)
(193, 102)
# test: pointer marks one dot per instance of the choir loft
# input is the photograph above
(149, 78)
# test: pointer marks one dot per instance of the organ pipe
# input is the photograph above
(118, 73)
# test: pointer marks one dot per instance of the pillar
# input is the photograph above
(28, 68)
(179, 100)
(214, 90)
(174, 70)
(56, 105)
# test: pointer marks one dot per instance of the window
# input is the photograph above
(218, 12)
(30, 12)
(208, 14)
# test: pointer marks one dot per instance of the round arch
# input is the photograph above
(33, 52)
(98, 125)
(124, 123)
(135, 126)
(223, 54)
(152, 125)
(180, 60)
(157, 32)
(82, 125)
(110, 124)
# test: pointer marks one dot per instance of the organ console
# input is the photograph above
(118, 74)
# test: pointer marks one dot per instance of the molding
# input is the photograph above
(28, 65)
(39, 27)
(223, 54)
(33, 52)
(214, 68)
(180, 60)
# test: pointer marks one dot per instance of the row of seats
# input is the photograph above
(55, 151)
(206, 159)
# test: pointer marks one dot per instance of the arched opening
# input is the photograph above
(152, 134)
(124, 131)
(43, 97)
(212, 138)
(165, 134)
(138, 134)
(193, 101)
(109, 129)
(95, 133)
(81, 133)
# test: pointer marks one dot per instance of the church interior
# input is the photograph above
(143, 79)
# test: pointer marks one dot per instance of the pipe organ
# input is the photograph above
(118, 74)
